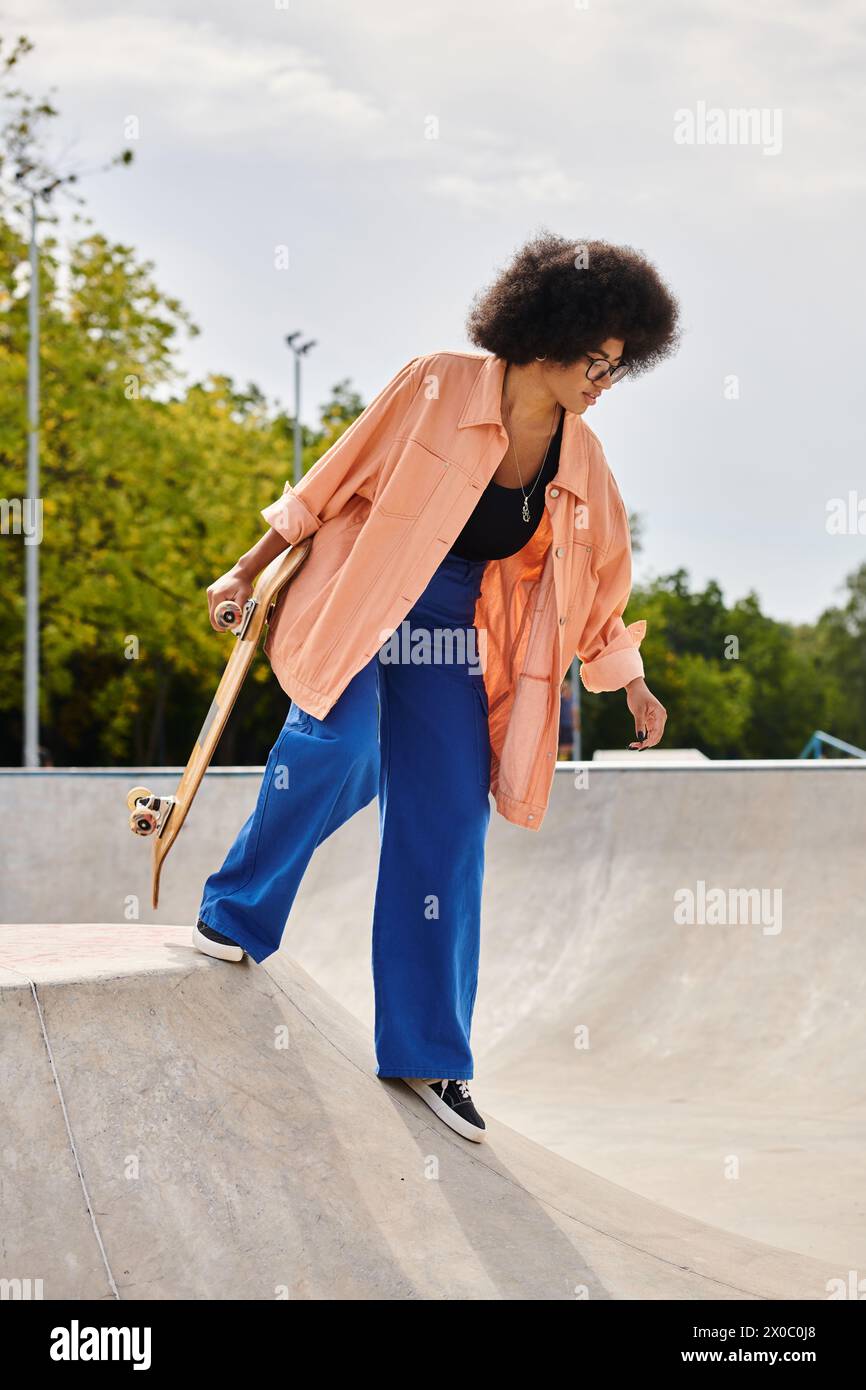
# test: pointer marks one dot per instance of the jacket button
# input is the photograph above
(531, 816)
(554, 492)
(562, 622)
(560, 551)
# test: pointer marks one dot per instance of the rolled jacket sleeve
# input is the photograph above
(608, 650)
(350, 465)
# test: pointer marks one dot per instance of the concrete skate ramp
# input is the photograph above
(716, 1069)
(174, 1127)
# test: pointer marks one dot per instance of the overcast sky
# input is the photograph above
(309, 126)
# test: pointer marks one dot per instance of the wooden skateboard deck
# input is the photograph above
(163, 817)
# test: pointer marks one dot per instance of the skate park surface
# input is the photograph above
(678, 1108)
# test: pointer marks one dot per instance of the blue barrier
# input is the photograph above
(814, 748)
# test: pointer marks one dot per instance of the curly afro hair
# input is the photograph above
(560, 298)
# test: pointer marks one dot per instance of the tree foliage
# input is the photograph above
(735, 682)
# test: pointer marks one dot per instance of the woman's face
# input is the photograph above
(572, 387)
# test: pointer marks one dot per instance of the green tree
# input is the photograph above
(735, 683)
(836, 652)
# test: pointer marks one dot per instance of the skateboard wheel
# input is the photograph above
(136, 794)
(143, 822)
(228, 614)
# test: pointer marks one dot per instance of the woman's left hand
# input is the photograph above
(650, 715)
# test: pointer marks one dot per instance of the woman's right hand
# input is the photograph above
(234, 585)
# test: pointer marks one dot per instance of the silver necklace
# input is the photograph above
(526, 495)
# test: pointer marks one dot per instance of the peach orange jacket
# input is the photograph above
(386, 503)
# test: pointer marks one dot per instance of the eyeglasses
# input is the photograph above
(599, 368)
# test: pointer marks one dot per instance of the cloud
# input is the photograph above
(499, 191)
(199, 82)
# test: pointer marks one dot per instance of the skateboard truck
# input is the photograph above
(232, 618)
(149, 813)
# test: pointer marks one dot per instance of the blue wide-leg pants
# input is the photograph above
(410, 727)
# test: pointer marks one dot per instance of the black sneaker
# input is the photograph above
(452, 1103)
(213, 943)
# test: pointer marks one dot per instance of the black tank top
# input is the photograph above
(496, 527)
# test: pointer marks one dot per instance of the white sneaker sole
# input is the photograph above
(445, 1113)
(213, 948)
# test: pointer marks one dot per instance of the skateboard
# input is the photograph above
(162, 817)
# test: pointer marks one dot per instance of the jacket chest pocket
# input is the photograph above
(416, 473)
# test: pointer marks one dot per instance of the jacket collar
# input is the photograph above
(483, 406)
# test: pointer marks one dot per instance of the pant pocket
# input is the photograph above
(299, 719)
(482, 730)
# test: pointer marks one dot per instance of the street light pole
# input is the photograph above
(298, 349)
(31, 560)
(297, 430)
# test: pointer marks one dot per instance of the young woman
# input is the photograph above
(468, 538)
